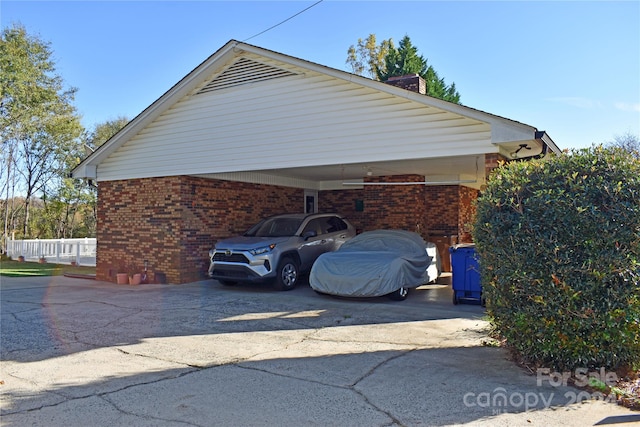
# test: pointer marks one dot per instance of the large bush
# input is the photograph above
(559, 247)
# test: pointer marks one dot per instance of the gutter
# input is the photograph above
(547, 144)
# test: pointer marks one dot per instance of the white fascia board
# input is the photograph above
(89, 171)
(530, 146)
(542, 136)
(505, 129)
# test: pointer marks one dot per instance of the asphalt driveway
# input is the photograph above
(77, 352)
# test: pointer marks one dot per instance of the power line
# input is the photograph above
(280, 23)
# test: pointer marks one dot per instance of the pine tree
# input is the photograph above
(385, 61)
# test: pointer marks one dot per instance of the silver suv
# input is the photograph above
(279, 248)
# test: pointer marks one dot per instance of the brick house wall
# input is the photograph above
(344, 202)
(450, 210)
(442, 209)
(405, 207)
(492, 161)
(395, 206)
(172, 222)
(427, 210)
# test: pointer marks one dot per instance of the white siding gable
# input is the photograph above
(259, 114)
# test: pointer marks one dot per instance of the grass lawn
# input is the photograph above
(28, 269)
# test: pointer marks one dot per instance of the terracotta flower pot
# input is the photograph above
(135, 279)
(122, 278)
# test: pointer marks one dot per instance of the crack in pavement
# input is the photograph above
(68, 398)
(351, 387)
(147, 356)
(239, 363)
(125, 323)
(146, 417)
(235, 363)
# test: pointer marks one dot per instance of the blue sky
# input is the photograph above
(569, 68)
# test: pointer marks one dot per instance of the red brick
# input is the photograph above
(172, 222)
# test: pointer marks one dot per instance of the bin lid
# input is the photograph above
(462, 246)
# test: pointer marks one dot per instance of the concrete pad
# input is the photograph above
(77, 352)
(93, 410)
(215, 349)
(326, 362)
(81, 374)
(235, 396)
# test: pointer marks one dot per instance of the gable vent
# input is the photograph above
(245, 71)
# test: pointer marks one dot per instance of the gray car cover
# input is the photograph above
(373, 263)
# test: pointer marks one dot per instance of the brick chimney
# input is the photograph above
(412, 82)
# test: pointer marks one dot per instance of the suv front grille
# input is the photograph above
(237, 258)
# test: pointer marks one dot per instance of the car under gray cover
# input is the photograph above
(373, 263)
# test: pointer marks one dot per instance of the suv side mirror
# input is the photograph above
(307, 234)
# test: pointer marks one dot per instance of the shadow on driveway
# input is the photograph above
(78, 352)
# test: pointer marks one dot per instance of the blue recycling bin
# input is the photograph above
(465, 274)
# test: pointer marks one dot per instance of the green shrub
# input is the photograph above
(559, 247)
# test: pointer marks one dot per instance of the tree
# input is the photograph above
(84, 194)
(367, 56)
(384, 61)
(401, 61)
(39, 127)
(67, 213)
(102, 132)
(628, 142)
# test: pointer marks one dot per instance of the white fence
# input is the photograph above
(57, 251)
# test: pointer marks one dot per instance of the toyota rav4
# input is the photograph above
(278, 249)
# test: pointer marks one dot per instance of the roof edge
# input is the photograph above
(147, 115)
(234, 48)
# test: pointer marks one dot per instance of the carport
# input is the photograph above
(251, 132)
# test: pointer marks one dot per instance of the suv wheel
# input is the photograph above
(287, 275)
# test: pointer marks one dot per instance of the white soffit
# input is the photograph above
(468, 169)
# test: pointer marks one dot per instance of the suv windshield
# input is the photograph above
(275, 227)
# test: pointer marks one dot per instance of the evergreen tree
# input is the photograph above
(401, 61)
(385, 61)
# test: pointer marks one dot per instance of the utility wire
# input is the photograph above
(280, 23)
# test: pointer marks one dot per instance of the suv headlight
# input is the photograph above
(263, 250)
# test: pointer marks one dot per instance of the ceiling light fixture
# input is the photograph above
(522, 147)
